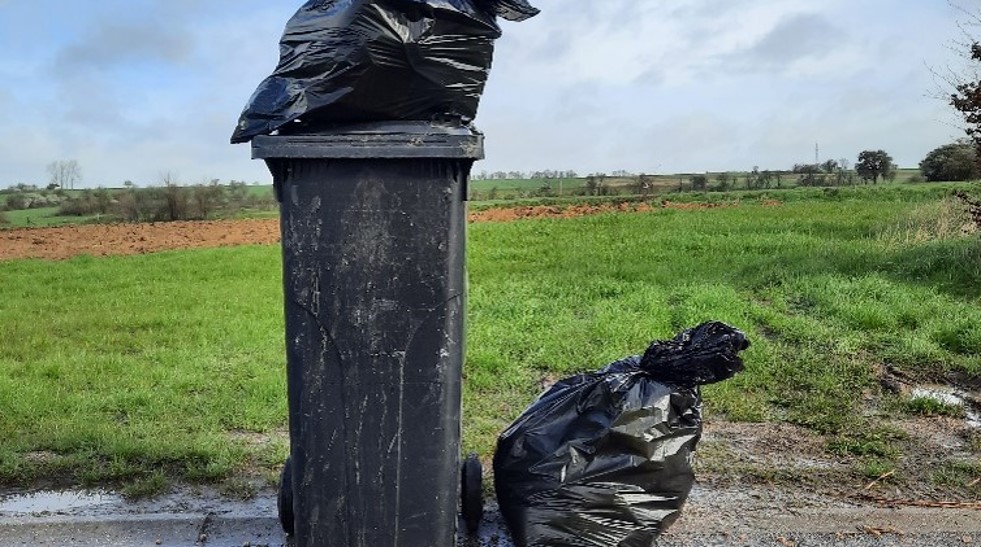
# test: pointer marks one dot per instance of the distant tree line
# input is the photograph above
(951, 162)
(523, 175)
(871, 167)
(28, 196)
(166, 202)
(169, 202)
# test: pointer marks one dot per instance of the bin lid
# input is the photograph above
(383, 140)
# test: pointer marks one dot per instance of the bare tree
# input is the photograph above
(960, 86)
(699, 182)
(725, 181)
(208, 198)
(176, 198)
(65, 173)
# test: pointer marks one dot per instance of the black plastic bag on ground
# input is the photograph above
(604, 459)
(345, 61)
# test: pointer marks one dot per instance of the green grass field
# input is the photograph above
(49, 216)
(140, 370)
(45, 216)
(526, 184)
(496, 189)
(905, 193)
(495, 193)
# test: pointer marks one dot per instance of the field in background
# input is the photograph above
(169, 366)
(42, 216)
(24, 207)
(208, 202)
(656, 185)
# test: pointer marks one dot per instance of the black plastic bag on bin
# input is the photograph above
(604, 459)
(374, 60)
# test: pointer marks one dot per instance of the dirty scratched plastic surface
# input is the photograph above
(346, 61)
(374, 278)
(604, 459)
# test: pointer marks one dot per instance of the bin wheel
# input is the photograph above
(284, 501)
(472, 493)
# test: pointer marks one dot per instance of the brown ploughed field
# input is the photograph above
(63, 242)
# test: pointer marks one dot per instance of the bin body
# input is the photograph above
(374, 286)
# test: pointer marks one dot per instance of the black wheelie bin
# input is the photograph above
(373, 221)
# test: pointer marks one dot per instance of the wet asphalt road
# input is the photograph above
(191, 530)
(713, 518)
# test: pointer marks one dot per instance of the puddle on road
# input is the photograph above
(54, 502)
(951, 397)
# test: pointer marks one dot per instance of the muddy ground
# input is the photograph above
(127, 239)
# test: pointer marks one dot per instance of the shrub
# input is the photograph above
(238, 193)
(544, 191)
(957, 161)
(127, 206)
(82, 205)
(175, 203)
(207, 199)
(810, 175)
(21, 200)
(972, 207)
(103, 200)
(143, 205)
(263, 202)
(16, 202)
(89, 202)
(172, 202)
(3, 219)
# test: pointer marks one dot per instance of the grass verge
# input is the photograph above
(143, 369)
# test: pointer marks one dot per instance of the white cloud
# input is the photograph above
(136, 88)
(625, 41)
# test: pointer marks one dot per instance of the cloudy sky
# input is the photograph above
(133, 89)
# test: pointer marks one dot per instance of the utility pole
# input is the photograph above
(817, 153)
